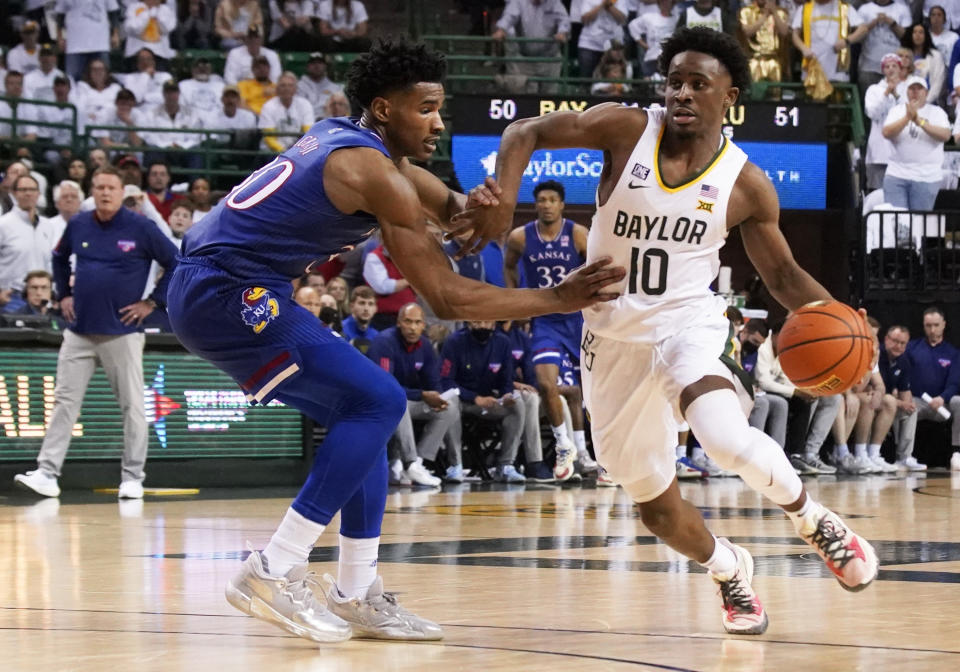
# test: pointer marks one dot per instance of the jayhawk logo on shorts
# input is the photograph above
(259, 308)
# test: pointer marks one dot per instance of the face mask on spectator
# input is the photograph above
(482, 335)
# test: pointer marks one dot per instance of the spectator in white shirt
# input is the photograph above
(315, 86)
(232, 116)
(878, 101)
(199, 193)
(38, 83)
(292, 28)
(202, 92)
(343, 25)
(13, 83)
(146, 83)
(180, 120)
(240, 59)
(148, 26)
(233, 19)
(649, 29)
(88, 30)
(97, 93)
(337, 106)
(602, 22)
(917, 130)
(26, 238)
(71, 122)
(126, 114)
(285, 113)
(885, 21)
(67, 197)
(943, 38)
(25, 56)
(927, 61)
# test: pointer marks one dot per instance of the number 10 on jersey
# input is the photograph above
(651, 266)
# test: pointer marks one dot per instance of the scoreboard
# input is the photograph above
(193, 410)
(787, 140)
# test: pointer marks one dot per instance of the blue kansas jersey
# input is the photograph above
(279, 221)
(545, 263)
(230, 300)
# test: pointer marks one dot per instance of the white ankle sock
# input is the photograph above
(357, 568)
(873, 450)
(840, 451)
(723, 562)
(560, 432)
(698, 453)
(291, 543)
(681, 451)
(809, 510)
(580, 441)
(860, 449)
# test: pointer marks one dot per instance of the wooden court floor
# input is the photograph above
(535, 578)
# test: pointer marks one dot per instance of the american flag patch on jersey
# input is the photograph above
(709, 192)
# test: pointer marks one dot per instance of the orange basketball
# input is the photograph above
(825, 347)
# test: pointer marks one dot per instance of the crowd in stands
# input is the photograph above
(481, 372)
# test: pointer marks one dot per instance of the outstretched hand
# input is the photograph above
(586, 286)
(485, 218)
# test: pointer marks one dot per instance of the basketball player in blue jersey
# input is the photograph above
(230, 303)
(548, 249)
(672, 187)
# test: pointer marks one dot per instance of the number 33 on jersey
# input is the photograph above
(668, 237)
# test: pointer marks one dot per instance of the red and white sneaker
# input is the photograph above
(565, 467)
(743, 614)
(849, 556)
(604, 480)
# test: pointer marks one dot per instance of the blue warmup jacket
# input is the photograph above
(936, 370)
(113, 262)
(478, 369)
(351, 330)
(415, 367)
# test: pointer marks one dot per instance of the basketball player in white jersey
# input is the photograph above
(672, 187)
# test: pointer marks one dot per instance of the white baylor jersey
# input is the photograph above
(668, 239)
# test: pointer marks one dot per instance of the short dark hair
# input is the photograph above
(362, 292)
(734, 315)
(38, 274)
(757, 326)
(551, 185)
(125, 94)
(898, 327)
(934, 309)
(158, 162)
(721, 46)
(25, 176)
(392, 66)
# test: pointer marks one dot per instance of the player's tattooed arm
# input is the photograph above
(440, 203)
(755, 205)
(363, 179)
(609, 127)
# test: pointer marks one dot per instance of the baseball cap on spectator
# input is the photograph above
(317, 56)
(132, 191)
(171, 85)
(914, 79)
(231, 88)
(29, 27)
(127, 159)
(254, 31)
(47, 49)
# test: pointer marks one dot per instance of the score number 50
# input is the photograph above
(787, 116)
(502, 108)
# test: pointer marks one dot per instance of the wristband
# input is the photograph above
(922, 123)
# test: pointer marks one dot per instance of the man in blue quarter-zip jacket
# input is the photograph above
(936, 372)
(114, 247)
(478, 361)
(404, 352)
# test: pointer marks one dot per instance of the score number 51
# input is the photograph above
(787, 116)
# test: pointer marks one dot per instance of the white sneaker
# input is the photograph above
(588, 465)
(848, 464)
(955, 462)
(566, 458)
(397, 475)
(883, 466)
(131, 490)
(418, 473)
(864, 464)
(39, 482)
(911, 464)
